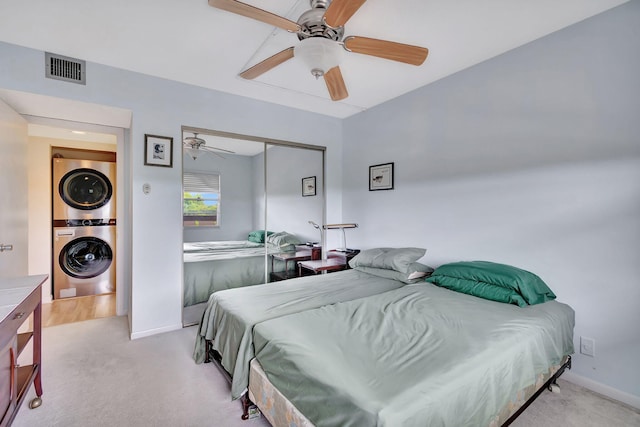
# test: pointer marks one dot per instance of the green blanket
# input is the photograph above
(415, 356)
(231, 315)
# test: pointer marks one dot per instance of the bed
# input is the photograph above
(227, 324)
(216, 265)
(213, 266)
(430, 353)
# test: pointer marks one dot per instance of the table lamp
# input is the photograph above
(344, 236)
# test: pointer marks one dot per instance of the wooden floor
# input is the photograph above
(69, 310)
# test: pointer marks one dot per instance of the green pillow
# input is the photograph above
(398, 259)
(493, 281)
(257, 236)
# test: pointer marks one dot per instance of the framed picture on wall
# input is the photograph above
(309, 186)
(381, 177)
(158, 150)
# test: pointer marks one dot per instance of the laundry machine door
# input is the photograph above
(86, 257)
(84, 190)
(84, 261)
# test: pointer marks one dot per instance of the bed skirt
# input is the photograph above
(276, 408)
(279, 411)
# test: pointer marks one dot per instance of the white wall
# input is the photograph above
(161, 107)
(531, 159)
(236, 202)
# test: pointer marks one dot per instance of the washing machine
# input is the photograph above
(84, 261)
(84, 190)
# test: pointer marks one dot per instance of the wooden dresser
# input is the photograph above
(19, 298)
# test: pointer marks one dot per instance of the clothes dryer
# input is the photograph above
(84, 261)
(84, 190)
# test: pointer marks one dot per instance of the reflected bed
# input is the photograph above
(214, 266)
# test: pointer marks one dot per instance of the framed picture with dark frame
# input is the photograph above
(381, 177)
(158, 150)
(309, 186)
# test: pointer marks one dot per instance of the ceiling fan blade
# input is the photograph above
(267, 64)
(214, 153)
(335, 84)
(414, 55)
(249, 11)
(340, 11)
(214, 149)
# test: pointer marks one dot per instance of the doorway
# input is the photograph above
(48, 117)
(81, 239)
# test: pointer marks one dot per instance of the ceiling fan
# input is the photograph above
(193, 145)
(321, 34)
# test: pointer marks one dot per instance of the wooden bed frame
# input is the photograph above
(212, 356)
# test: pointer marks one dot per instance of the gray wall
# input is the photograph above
(287, 209)
(531, 159)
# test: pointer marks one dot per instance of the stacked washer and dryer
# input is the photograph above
(84, 227)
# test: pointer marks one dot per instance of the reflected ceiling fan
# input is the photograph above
(320, 31)
(194, 146)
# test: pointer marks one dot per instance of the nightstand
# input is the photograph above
(318, 266)
(344, 256)
(286, 257)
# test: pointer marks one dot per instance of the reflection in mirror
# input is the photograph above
(295, 202)
(228, 208)
(218, 217)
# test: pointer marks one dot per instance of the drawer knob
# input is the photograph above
(19, 315)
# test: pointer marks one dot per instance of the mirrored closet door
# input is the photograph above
(249, 206)
(295, 207)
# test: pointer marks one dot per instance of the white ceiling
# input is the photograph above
(191, 42)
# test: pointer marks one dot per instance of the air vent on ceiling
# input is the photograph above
(64, 68)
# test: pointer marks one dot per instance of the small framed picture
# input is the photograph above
(158, 150)
(381, 177)
(309, 186)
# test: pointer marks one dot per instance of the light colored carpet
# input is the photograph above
(93, 375)
(577, 406)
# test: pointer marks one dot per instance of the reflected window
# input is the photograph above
(201, 199)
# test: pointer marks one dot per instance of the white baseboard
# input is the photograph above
(602, 389)
(150, 332)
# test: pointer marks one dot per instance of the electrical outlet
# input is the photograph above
(588, 346)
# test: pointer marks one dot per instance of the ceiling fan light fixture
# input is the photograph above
(319, 54)
(192, 152)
